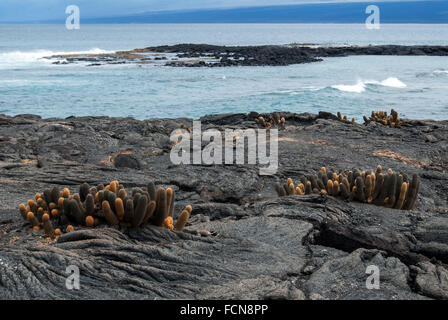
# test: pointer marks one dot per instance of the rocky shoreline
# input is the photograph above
(261, 246)
(204, 55)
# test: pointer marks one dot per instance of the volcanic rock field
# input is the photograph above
(257, 245)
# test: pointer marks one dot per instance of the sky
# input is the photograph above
(41, 10)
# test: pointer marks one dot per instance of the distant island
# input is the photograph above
(391, 12)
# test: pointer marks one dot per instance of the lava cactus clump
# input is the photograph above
(111, 205)
(345, 119)
(392, 120)
(275, 120)
(392, 190)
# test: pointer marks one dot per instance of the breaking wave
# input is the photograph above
(17, 58)
(361, 85)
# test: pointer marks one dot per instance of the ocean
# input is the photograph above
(415, 86)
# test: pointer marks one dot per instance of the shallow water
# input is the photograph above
(414, 86)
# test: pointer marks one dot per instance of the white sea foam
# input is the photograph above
(295, 92)
(389, 82)
(361, 85)
(357, 88)
(18, 58)
(440, 71)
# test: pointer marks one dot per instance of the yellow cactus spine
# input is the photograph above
(54, 213)
(378, 186)
(379, 170)
(90, 222)
(32, 206)
(122, 194)
(48, 226)
(61, 203)
(335, 190)
(170, 201)
(402, 197)
(182, 220)
(110, 217)
(168, 221)
(113, 186)
(66, 193)
(23, 211)
(119, 208)
(330, 187)
(368, 186)
(335, 176)
(291, 188)
(308, 188)
(161, 211)
(32, 219)
(149, 211)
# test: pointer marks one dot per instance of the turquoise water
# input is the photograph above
(415, 86)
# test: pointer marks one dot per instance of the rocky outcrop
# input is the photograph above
(204, 55)
(259, 245)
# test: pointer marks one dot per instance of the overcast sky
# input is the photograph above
(34, 10)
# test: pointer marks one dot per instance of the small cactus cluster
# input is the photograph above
(111, 204)
(392, 190)
(391, 120)
(344, 118)
(275, 120)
